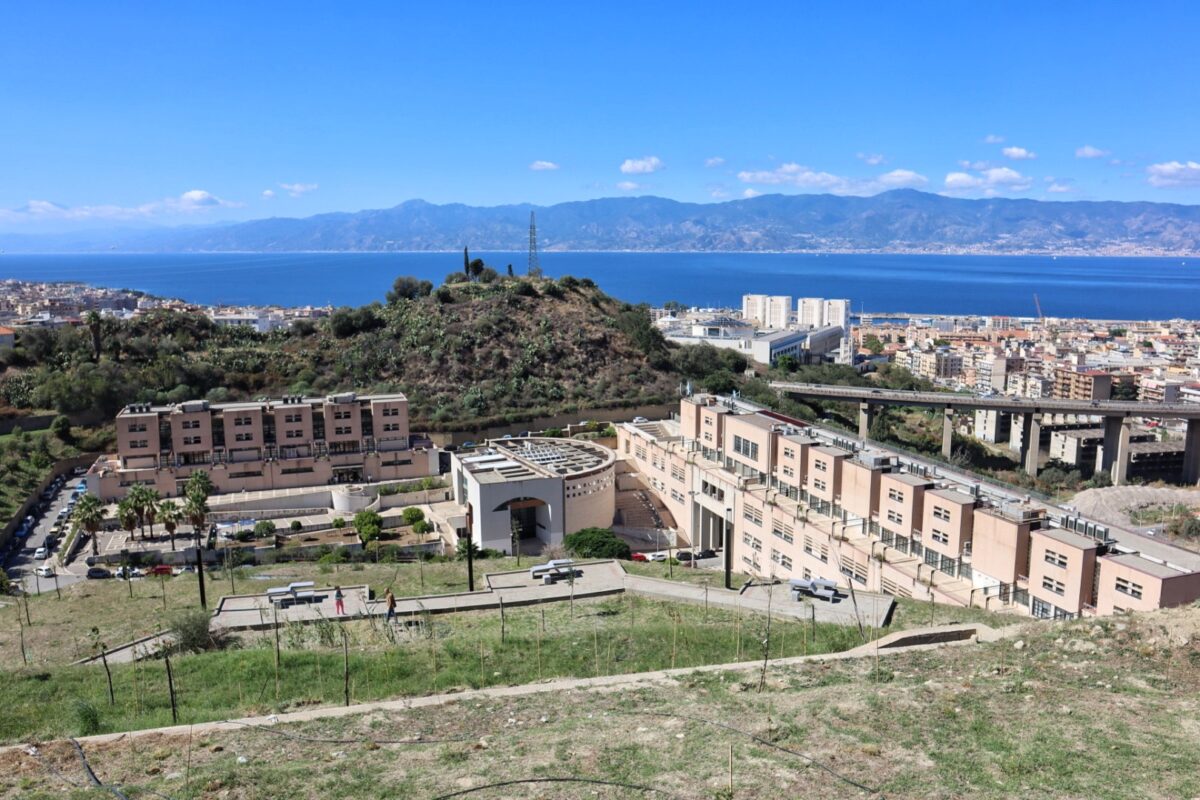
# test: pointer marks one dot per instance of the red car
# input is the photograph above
(159, 569)
(639, 557)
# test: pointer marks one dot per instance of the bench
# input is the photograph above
(296, 592)
(824, 593)
(552, 568)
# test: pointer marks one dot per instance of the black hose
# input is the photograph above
(593, 781)
(92, 775)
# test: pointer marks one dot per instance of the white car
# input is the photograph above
(44, 571)
(40, 554)
(656, 556)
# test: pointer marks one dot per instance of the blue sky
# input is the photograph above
(165, 113)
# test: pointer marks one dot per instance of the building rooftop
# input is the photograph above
(952, 496)
(836, 452)
(1141, 564)
(908, 478)
(202, 405)
(504, 460)
(1069, 538)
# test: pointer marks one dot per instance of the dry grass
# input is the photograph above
(1082, 709)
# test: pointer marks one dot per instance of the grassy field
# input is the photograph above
(1080, 709)
(421, 656)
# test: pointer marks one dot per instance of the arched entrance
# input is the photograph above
(527, 515)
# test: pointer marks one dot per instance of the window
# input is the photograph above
(1041, 609)
(896, 494)
(242, 421)
(191, 440)
(819, 484)
(1057, 559)
(341, 415)
(785, 561)
(677, 495)
(708, 437)
(752, 515)
(783, 531)
(940, 537)
(941, 513)
(788, 472)
(343, 430)
(391, 412)
(639, 453)
(789, 452)
(244, 437)
(677, 472)
(1126, 586)
(190, 424)
(295, 434)
(895, 517)
(292, 418)
(820, 466)
(138, 444)
(137, 427)
(391, 427)
(1051, 585)
(745, 447)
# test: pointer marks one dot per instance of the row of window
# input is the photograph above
(745, 447)
(752, 515)
(753, 542)
(1057, 559)
(782, 559)
(783, 531)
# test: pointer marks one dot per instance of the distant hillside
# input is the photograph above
(900, 221)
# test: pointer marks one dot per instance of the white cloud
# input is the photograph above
(874, 159)
(1087, 151)
(1018, 153)
(975, 166)
(543, 166)
(992, 138)
(1059, 188)
(988, 182)
(193, 201)
(298, 189)
(268, 193)
(627, 186)
(1174, 174)
(793, 174)
(715, 161)
(902, 178)
(750, 194)
(802, 177)
(641, 166)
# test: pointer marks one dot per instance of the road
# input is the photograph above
(20, 563)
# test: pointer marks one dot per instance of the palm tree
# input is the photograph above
(196, 511)
(150, 512)
(199, 484)
(170, 513)
(89, 514)
(127, 515)
(136, 500)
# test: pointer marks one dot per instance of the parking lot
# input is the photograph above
(20, 563)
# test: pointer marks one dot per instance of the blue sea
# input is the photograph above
(1101, 288)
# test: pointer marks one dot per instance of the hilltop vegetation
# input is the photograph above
(476, 351)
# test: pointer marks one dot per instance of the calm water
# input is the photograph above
(1105, 288)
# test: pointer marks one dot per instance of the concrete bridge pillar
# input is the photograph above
(1191, 453)
(947, 432)
(866, 414)
(1031, 441)
(1112, 438)
(1121, 467)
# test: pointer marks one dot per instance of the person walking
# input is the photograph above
(390, 600)
(339, 601)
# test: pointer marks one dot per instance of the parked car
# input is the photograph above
(183, 569)
(79, 471)
(684, 555)
(160, 569)
(656, 556)
(129, 572)
(44, 571)
(98, 573)
(639, 420)
(706, 553)
(638, 557)
(40, 554)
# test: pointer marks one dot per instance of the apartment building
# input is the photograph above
(1160, 390)
(817, 312)
(794, 500)
(267, 444)
(1075, 383)
(767, 311)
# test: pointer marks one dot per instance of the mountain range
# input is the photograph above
(902, 220)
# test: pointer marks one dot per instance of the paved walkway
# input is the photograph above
(966, 634)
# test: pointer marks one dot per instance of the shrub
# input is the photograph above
(596, 543)
(61, 427)
(264, 528)
(295, 526)
(412, 515)
(338, 523)
(87, 717)
(422, 527)
(190, 629)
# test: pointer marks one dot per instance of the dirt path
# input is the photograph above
(1112, 504)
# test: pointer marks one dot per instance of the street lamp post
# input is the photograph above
(727, 541)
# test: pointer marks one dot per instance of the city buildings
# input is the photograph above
(773, 312)
(762, 346)
(793, 500)
(268, 444)
(817, 312)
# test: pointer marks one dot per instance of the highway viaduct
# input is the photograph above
(1118, 418)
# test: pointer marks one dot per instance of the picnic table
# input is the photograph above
(823, 588)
